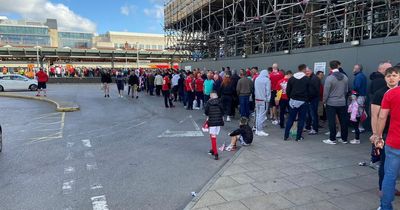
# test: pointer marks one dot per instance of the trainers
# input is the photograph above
(261, 133)
(312, 132)
(253, 128)
(341, 141)
(228, 119)
(211, 152)
(338, 135)
(230, 148)
(197, 108)
(355, 141)
(300, 139)
(275, 122)
(328, 141)
(328, 133)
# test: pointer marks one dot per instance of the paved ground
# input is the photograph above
(114, 152)
(308, 175)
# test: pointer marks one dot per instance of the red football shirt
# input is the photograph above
(391, 101)
(199, 85)
(165, 85)
(282, 84)
(189, 83)
(275, 77)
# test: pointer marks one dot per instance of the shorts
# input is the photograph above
(214, 130)
(272, 100)
(41, 85)
(120, 86)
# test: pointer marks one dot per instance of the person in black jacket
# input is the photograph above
(227, 91)
(297, 91)
(313, 100)
(214, 112)
(244, 134)
(106, 80)
(133, 82)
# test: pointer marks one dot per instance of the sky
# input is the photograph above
(97, 16)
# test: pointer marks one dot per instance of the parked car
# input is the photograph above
(17, 82)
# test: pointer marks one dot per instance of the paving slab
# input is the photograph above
(271, 201)
(308, 175)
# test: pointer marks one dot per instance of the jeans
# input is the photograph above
(283, 106)
(158, 89)
(185, 98)
(167, 98)
(312, 114)
(381, 171)
(341, 112)
(151, 90)
(356, 128)
(199, 98)
(392, 166)
(299, 112)
(244, 106)
(261, 112)
(190, 99)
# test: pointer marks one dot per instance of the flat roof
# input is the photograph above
(134, 34)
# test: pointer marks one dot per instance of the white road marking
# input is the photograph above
(69, 170)
(171, 134)
(91, 166)
(86, 143)
(56, 135)
(69, 156)
(99, 202)
(67, 186)
(89, 154)
(46, 115)
(70, 144)
(96, 186)
(133, 126)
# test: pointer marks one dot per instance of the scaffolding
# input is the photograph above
(224, 28)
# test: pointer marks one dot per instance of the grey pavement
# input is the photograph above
(112, 152)
(63, 104)
(275, 174)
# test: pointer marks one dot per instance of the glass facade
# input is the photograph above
(75, 39)
(24, 35)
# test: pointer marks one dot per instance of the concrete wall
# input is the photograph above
(369, 53)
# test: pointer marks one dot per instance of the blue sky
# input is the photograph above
(91, 15)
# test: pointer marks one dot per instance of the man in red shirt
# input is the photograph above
(42, 79)
(274, 76)
(282, 99)
(166, 87)
(189, 85)
(199, 87)
(390, 104)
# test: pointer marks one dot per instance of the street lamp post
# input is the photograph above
(37, 54)
(137, 54)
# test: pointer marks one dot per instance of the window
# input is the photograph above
(6, 78)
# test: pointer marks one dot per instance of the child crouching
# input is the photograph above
(244, 134)
(214, 112)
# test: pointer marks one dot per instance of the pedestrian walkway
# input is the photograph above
(309, 175)
(61, 104)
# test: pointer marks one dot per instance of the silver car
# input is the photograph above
(17, 82)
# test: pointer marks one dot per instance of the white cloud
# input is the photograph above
(39, 10)
(157, 11)
(127, 9)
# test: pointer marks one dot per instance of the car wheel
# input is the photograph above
(1, 140)
(1, 88)
(33, 87)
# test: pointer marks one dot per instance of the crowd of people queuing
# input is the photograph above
(294, 101)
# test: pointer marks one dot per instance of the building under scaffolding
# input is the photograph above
(223, 28)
